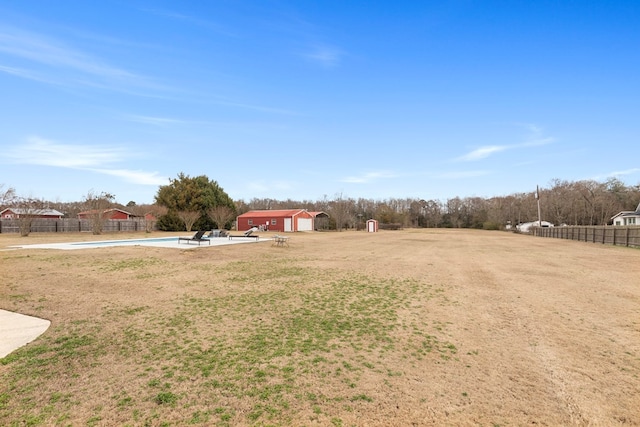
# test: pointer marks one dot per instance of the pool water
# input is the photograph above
(126, 242)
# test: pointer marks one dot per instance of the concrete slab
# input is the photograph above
(18, 329)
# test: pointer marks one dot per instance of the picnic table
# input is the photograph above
(280, 241)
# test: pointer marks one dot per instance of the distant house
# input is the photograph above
(106, 214)
(627, 217)
(15, 213)
(283, 220)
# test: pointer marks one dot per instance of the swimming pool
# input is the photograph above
(127, 242)
(157, 242)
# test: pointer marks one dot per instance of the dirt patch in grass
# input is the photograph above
(412, 327)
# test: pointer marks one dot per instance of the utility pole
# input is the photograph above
(538, 199)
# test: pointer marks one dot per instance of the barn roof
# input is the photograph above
(37, 212)
(95, 211)
(271, 213)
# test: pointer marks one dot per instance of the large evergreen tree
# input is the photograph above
(187, 194)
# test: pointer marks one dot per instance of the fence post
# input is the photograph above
(626, 239)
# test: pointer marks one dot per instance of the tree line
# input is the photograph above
(200, 203)
(585, 202)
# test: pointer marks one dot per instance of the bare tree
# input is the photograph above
(558, 202)
(432, 212)
(339, 210)
(97, 208)
(385, 213)
(150, 213)
(7, 196)
(476, 212)
(189, 218)
(454, 209)
(151, 216)
(221, 215)
(30, 208)
(415, 213)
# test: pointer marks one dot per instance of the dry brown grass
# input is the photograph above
(413, 327)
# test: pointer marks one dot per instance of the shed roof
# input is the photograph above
(319, 214)
(270, 213)
(36, 212)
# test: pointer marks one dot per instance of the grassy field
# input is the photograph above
(413, 327)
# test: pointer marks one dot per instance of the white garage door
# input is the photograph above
(305, 224)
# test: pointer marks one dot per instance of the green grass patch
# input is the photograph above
(279, 328)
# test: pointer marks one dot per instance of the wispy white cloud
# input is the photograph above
(632, 171)
(257, 107)
(463, 174)
(39, 151)
(324, 55)
(537, 142)
(43, 152)
(262, 186)
(25, 74)
(534, 139)
(531, 127)
(65, 64)
(156, 121)
(482, 153)
(48, 51)
(135, 176)
(192, 20)
(616, 174)
(368, 177)
(57, 61)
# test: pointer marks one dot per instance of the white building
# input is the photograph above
(627, 217)
(525, 227)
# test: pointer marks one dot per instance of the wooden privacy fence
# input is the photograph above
(72, 225)
(610, 235)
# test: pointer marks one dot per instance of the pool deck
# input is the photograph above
(168, 243)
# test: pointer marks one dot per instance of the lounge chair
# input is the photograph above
(248, 233)
(195, 238)
(217, 233)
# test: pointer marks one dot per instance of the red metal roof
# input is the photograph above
(272, 213)
(95, 211)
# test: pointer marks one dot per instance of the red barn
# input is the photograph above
(107, 214)
(283, 220)
(11, 213)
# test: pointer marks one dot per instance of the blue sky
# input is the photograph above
(302, 100)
